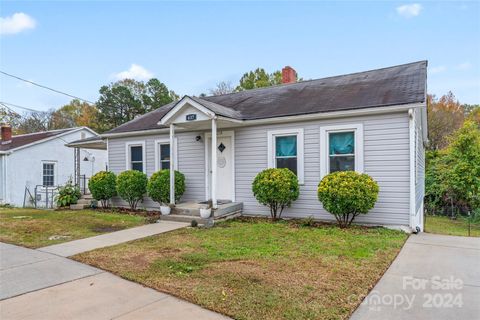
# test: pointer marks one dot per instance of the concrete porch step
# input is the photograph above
(79, 206)
(84, 201)
(183, 218)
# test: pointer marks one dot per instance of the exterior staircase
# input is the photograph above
(84, 202)
(188, 211)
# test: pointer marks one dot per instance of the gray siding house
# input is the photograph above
(373, 122)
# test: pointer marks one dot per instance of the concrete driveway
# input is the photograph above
(35, 284)
(434, 277)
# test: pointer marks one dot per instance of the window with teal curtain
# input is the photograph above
(341, 151)
(286, 152)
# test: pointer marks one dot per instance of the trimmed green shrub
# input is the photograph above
(346, 194)
(277, 189)
(131, 186)
(102, 185)
(158, 186)
(67, 195)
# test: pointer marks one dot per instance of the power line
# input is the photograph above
(21, 107)
(44, 87)
(9, 109)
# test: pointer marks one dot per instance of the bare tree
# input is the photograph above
(223, 87)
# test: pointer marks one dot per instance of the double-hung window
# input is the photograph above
(163, 155)
(341, 148)
(285, 150)
(164, 149)
(135, 152)
(341, 151)
(48, 174)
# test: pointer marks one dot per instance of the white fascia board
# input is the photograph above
(180, 104)
(134, 133)
(305, 117)
(52, 138)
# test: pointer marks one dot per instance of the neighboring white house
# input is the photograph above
(373, 122)
(42, 159)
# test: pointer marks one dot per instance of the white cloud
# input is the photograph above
(409, 10)
(16, 23)
(438, 69)
(135, 72)
(464, 66)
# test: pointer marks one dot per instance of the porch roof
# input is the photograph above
(88, 143)
(392, 86)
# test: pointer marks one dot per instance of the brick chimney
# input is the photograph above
(6, 133)
(289, 75)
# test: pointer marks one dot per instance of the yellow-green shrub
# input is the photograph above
(277, 189)
(346, 194)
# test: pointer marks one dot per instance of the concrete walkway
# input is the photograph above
(43, 284)
(434, 277)
(71, 248)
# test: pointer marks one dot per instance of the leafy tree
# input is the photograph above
(445, 115)
(463, 157)
(75, 114)
(259, 78)
(347, 194)
(453, 174)
(222, 87)
(126, 99)
(34, 122)
(277, 189)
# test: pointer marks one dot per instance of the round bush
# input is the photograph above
(158, 186)
(346, 194)
(277, 189)
(131, 186)
(102, 186)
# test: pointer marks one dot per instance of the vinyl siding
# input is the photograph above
(386, 159)
(191, 162)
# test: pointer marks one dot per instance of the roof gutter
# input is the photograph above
(282, 119)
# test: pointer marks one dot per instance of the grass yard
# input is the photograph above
(256, 269)
(35, 228)
(445, 225)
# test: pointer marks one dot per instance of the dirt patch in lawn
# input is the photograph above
(255, 269)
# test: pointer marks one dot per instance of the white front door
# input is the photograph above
(225, 167)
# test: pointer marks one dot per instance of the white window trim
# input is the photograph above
(158, 142)
(55, 171)
(271, 134)
(324, 145)
(130, 144)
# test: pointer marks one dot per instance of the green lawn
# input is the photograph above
(445, 225)
(256, 269)
(32, 227)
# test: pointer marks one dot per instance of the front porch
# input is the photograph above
(191, 113)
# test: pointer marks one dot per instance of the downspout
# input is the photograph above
(411, 129)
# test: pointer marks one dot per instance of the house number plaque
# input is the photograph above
(191, 117)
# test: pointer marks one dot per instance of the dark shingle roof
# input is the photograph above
(24, 139)
(403, 84)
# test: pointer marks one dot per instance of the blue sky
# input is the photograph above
(77, 47)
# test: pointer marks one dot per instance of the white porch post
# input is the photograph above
(172, 160)
(214, 163)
